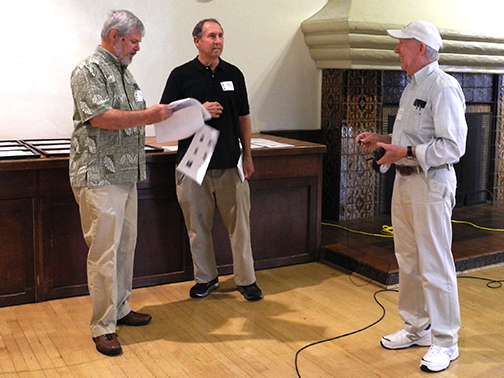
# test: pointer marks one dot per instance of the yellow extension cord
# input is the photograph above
(387, 232)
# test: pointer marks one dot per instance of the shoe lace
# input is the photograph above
(439, 350)
(110, 336)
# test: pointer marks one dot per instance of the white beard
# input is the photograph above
(125, 60)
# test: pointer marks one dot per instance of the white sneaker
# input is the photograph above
(404, 339)
(438, 358)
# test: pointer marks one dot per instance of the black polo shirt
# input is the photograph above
(226, 85)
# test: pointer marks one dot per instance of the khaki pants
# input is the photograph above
(421, 217)
(221, 189)
(109, 224)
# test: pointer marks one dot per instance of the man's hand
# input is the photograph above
(159, 113)
(248, 167)
(392, 153)
(214, 108)
(369, 141)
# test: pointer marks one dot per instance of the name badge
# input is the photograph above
(227, 85)
(138, 95)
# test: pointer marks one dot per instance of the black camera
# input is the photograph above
(377, 155)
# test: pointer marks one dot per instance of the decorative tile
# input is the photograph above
(352, 102)
(482, 95)
(468, 94)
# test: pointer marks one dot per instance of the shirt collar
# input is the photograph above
(220, 66)
(107, 55)
(424, 72)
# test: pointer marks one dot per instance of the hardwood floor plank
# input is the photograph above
(225, 336)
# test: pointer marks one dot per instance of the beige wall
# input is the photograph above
(352, 33)
(477, 16)
(481, 16)
(43, 40)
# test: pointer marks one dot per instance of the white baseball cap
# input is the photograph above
(422, 31)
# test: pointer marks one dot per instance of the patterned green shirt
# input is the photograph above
(100, 156)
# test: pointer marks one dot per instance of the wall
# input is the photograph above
(352, 33)
(481, 16)
(43, 40)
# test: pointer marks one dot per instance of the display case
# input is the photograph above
(43, 252)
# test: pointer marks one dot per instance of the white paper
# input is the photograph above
(195, 162)
(171, 148)
(262, 142)
(187, 118)
(240, 168)
(185, 103)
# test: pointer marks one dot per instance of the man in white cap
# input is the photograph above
(428, 137)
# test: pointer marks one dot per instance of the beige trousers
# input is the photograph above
(221, 189)
(109, 224)
(421, 217)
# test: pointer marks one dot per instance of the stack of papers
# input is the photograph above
(262, 143)
(188, 117)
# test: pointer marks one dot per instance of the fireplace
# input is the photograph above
(367, 100)
(474, 179)
(361, 80)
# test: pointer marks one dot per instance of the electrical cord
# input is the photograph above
(492, 284)
(388, 232)
(480, 227)
(346, 334)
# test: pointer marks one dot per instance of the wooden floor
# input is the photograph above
(224, 336)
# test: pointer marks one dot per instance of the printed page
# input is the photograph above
(195, 162)
(188, 117)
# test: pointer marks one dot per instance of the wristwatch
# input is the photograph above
(409, 153)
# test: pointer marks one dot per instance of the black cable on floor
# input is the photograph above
(388, 232)
(347, 334)
(492, 284)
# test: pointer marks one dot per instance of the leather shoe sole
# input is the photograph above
(108, 344)
(135, 319)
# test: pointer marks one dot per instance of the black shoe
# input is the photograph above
(201, 290)
(251, 292)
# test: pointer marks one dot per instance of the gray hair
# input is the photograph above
(431, 53)
(122, 21)
(198, 29)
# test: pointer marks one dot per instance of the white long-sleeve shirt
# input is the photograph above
(431, 117)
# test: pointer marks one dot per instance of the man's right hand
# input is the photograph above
(159, 113)
(214, 108)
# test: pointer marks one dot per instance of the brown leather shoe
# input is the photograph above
(135, 319)
(108, 344)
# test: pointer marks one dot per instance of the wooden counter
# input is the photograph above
(43, 254)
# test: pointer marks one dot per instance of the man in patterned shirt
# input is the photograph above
(429, 136)
(107, 159)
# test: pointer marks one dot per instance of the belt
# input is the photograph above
(408, 170)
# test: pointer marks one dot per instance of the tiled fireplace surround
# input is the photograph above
(356, 100)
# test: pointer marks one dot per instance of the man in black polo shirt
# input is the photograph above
(220, 87)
